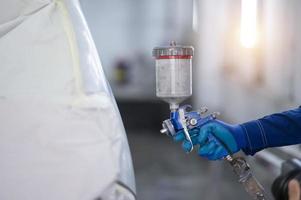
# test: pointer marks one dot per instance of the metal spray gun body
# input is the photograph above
(174, 85)
(194, 119)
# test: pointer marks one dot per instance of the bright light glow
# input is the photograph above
(195, 16)
(248, 29)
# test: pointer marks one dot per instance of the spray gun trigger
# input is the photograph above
(183, 123)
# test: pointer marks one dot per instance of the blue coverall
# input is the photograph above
(278, 129)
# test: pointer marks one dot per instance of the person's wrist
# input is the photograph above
(239, 136)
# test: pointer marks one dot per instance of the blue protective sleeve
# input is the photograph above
(275, 130)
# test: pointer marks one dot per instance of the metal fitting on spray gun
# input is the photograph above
(174, 85)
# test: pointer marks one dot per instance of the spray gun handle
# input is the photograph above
(229, 157)
(243, 172)
(217, 141)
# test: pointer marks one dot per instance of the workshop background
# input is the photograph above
(246, 65)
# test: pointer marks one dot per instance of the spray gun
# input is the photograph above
(174, 85)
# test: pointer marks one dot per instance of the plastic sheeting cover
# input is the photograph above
(61, 135)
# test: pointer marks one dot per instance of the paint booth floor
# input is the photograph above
(164, 172)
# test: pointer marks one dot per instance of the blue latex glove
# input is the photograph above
(216, 139)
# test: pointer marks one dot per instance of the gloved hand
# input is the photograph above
(216, 139)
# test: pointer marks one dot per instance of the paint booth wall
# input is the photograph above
(247, 83)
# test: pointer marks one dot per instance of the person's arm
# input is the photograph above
(278, 129)
(275, 130)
